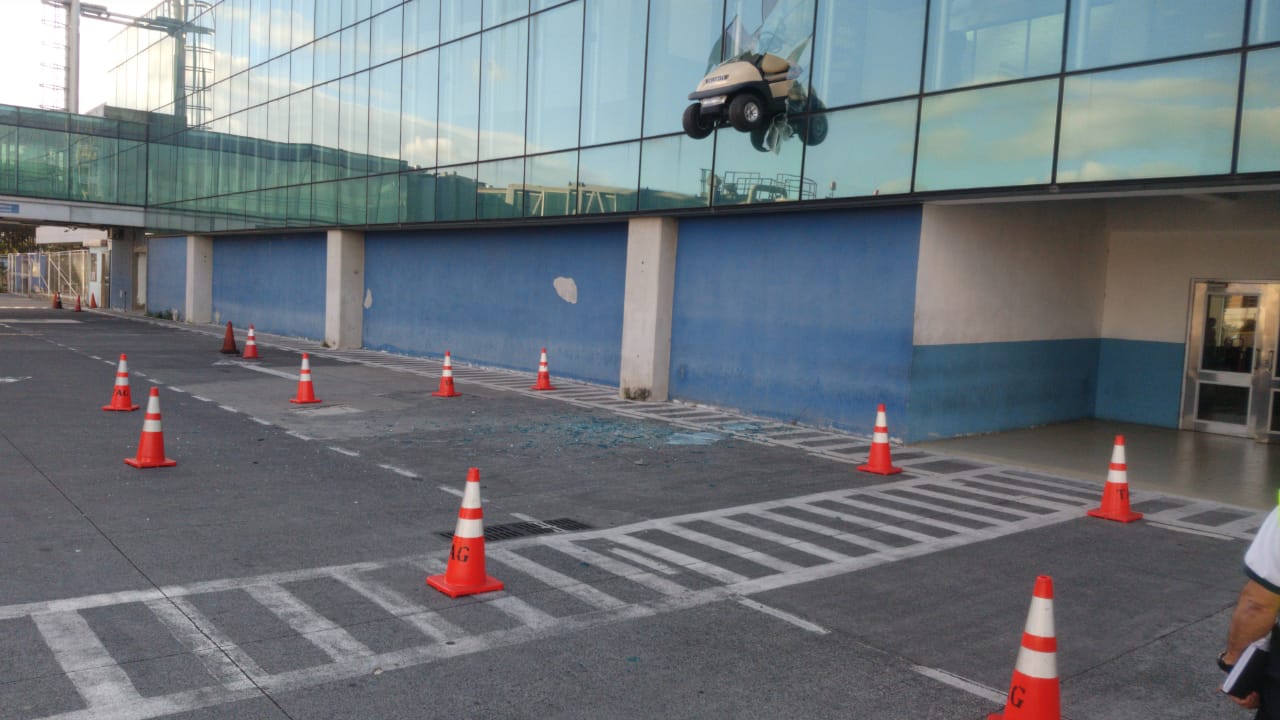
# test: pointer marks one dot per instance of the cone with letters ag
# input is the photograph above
(120, 397)
(544, 374)
(306, 393)
(1115, 495)
(1034, 693)
(446, 378)
(250, 346)
(879, 461)
(465, 573)
(151, 443)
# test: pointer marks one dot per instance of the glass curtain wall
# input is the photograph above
(269, 113)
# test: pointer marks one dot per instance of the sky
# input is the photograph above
(25, 42)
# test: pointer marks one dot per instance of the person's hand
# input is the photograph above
(1250, 703)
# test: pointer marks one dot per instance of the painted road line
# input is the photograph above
(826, 531)
(639, 559)
(88, 665)
(228, 408)
(686, 562)
(955, 507)
(14, 379)
(955, 681)
(536, 521)
(245, 664)
(972, 493)
(522, 611)
(785, 541)
(1189, 530)
(344, 451)
(848, 517)
(450, 490)
(623, 570)
(902, 515)
(427, 622)
(217, 662)
(337, 643)
(201, 398)
(731, 548)
(176, 389)
(259, 369)
(300, 436)
(783, 616)
(400, 471)
(260, 421)
(555, 579)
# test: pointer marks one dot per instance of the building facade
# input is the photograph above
(986, 214)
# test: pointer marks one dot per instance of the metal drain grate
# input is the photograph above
(511, 531)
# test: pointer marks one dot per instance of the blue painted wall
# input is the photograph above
(167, 275)
(274, 282)
(797, 316)
(487, 296)
(974, 388)
(1140, 381)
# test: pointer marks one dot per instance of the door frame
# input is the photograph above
(1262, 382)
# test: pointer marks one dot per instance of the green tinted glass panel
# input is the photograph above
(555, 58)
(418, 197)
(1111, 32)
(675, 172)
(987, 137)
(867, 50)
(353, 204)
(972, 43)
(504, 55)
(759, 167)
(418, 110)
(866, 151)
(612, 70)
(607, 178)
(459, 101)
(684, 42)
(1153, 121)
(1260, 124)
(551, 185)
(500, 189)
(456, 193)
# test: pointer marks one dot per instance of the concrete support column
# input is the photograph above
(646, 308)
(120, 292)
(198, 307)
(344, 290)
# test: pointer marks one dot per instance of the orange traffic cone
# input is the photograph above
(879, 461)
(250, 346)
(78, 305)
(151, 443)
(1034, 693)
(544, 375)
(306, 394)
(57, 301)
(465, 575)
(1115, 495)
(93, 301)
(120, 398)
(446, 379)
(229, 341)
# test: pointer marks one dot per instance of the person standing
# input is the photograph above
(1255, 615)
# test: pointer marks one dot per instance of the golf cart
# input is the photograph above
(755, 93)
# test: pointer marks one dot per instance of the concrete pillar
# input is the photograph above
(344, 290)
(121, 287)
(199, 298)
(646, 308)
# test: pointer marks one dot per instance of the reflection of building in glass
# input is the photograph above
(494, 141)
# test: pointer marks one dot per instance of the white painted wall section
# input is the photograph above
(646, 308)
(1010, 272)
(1159, 246)
(198, 307)
(344, 291)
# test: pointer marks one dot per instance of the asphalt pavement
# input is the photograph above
(660, 560)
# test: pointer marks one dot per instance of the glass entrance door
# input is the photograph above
(1232, 386)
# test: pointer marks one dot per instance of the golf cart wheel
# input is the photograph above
(759, 141)
(814, 130)
(746, 112)
(694, 125)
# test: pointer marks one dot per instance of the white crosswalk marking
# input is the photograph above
(98, 679)
(652, 554)
(333, 640)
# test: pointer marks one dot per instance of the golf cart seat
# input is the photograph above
(773, 65)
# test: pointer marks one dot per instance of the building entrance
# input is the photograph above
(1232, 386)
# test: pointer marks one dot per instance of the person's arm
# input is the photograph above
(1254, 616)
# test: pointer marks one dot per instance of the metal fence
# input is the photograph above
(65, 272)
